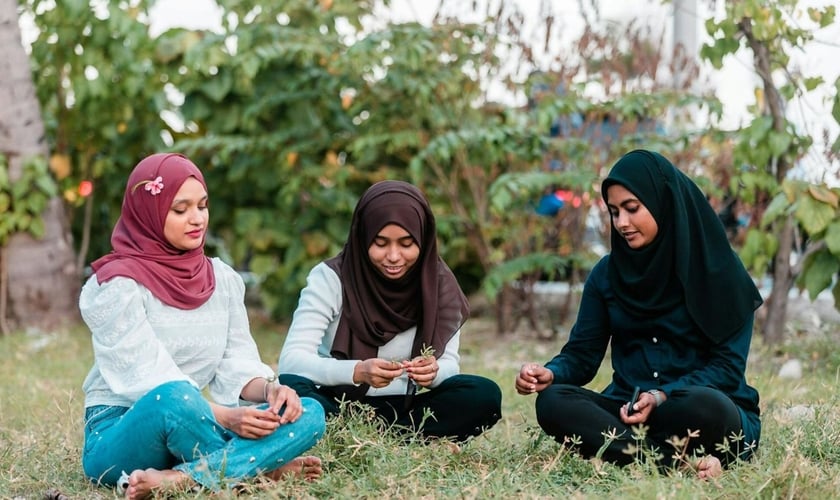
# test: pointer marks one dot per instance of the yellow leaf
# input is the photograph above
(60, 166)
(121, 127)
(71, 195)
(331, 159)
(316, 243)
(823, 194)
(291, 158)
(326, 4)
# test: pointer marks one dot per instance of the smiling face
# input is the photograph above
(186, 221)
(393, 252)
(630, 217)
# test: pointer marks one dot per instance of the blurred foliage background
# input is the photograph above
(294, 108)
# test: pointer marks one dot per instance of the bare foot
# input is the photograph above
(708, 467)
(307, 467)
(142, 483)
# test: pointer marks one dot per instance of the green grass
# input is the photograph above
(41, 408)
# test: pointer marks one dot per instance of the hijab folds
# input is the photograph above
(182, 279)
(376, 308)
(689, 261)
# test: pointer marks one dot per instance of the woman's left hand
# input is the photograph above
(283, 397)
(247, 421)
(422, 370)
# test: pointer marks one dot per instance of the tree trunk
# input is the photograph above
(43, 280)
(773, 329)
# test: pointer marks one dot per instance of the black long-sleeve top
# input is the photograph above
(664, 352)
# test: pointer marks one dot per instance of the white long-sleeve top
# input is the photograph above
(139, 342)
(306, 351)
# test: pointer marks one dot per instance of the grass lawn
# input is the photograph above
(41, 409)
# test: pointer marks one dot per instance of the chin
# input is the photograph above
(391, 276)
(188, 248)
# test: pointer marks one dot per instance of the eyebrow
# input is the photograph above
(401, 238)
(178, 202)
(623, 203)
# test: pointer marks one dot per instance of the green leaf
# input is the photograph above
(814, 216)
(23, 221)
(836, 293)
(819, 272)
(218, 86)
(778, 206)
(36, 227)
(248, 221)
(263, 265)
(511, 270)
(832, 237)
(47, 186)
(779, 143)
(813, 82)
(758, 250)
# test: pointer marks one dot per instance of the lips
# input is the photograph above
(195, 234)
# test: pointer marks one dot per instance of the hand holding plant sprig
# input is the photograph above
(378, 372)
(423, 369)
(426, 365)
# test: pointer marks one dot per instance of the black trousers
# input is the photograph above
(567, 411)
(462, 405)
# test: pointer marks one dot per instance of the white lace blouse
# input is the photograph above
(139, 342)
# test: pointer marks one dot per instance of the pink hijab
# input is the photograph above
(182, 279)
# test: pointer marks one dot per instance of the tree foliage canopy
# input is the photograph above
(293, 109)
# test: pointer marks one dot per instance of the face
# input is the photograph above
(186, 221)
(630, 217)
(393, 252)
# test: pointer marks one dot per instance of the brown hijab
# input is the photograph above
(376, 308)
(182, 279)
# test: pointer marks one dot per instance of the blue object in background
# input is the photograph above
(549, 205)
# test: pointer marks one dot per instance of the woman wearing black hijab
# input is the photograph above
(381, 321)
(676, 306)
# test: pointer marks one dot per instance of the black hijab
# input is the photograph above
(690, 260)
(376, 308)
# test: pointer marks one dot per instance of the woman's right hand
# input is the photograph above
(533, 378)
(376, 372)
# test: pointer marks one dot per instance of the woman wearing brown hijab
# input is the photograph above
(381, 321)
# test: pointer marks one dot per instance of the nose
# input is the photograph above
(393, 253)
(620, 220)
(197, 216)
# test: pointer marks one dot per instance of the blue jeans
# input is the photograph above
(173, 427)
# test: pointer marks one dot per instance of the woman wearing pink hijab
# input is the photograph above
(167, 322)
